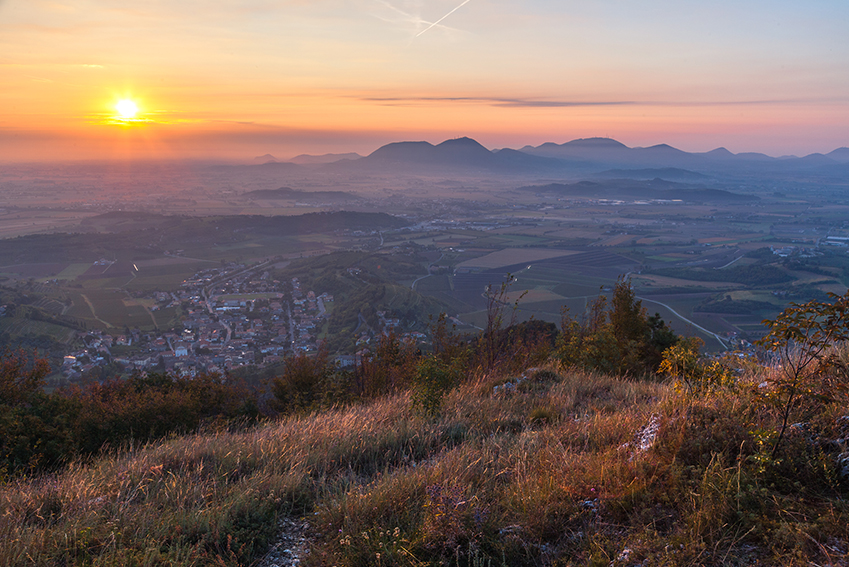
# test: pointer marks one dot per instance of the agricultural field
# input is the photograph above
(513, 256)
(708, 267)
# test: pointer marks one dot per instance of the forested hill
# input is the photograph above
(287, 193)
(146, 235)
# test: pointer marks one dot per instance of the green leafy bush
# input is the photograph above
(617, 339)
(690, 371)
(810, 370)
(433, 379)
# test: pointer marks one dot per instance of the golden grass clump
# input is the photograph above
(544, 467)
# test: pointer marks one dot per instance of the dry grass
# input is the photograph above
(559, 468)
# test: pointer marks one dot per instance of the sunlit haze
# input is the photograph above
(239, 79)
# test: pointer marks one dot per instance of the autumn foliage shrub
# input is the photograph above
(387, 368)
(35, 431)
(811, 369)
(146, 407)
(40, 431)
(303, 383)
(692, 373)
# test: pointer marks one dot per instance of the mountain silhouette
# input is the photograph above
(306, 159)
(456, 154)
(840, 154)
(582, 157)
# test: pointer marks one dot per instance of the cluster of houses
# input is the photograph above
(307, 317)
(233, 316)
(794, 251)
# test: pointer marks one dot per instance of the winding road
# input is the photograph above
(697, 326)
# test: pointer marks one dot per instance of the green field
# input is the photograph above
(72, 271)
(168, 277)
(109, 307)
(27, 327)
(167, 318)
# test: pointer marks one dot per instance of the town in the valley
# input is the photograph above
(234, 316)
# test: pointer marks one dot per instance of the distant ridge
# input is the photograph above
(584, 157)
(610, 151)
(670, 173)
(655, 189)
(267, 158)
(719, 153)
(289, 194)
(840, 154)
(581, 143)
(455, 154)
(461, 151)
(306, 159)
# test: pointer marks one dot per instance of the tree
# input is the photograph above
(386, 368)
(33, 435)
(803, 339)
(617, 338)
(500, 312)
(302, 384)
(21, 377)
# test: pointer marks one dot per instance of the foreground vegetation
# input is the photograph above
(467, 457)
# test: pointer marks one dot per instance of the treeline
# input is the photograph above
(146, 236)
(41, 431)
(360, 306)
(328, 272)
(617, 337)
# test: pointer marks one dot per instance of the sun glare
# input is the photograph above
(127, 109)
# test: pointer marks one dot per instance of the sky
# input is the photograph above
(240, 78)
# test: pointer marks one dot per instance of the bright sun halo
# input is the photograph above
(127, 109)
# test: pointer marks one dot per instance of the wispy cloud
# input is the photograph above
(437, 22)
(413, 20)
(544, 103)
(493, 101)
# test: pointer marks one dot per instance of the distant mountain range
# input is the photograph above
(606, 149)
(596, 157)
(305, 159)
(456, 154)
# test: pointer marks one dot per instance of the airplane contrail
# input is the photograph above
(436, 23)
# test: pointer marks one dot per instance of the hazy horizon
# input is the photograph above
(203, 153)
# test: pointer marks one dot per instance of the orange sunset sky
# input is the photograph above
(236, 79)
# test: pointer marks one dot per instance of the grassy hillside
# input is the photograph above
(549, 467)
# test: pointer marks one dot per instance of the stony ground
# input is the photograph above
(291, 545)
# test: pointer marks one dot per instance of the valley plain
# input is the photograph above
(714, 243)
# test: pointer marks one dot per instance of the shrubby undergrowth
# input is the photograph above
(466, 456)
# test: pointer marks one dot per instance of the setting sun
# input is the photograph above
(127, 109)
